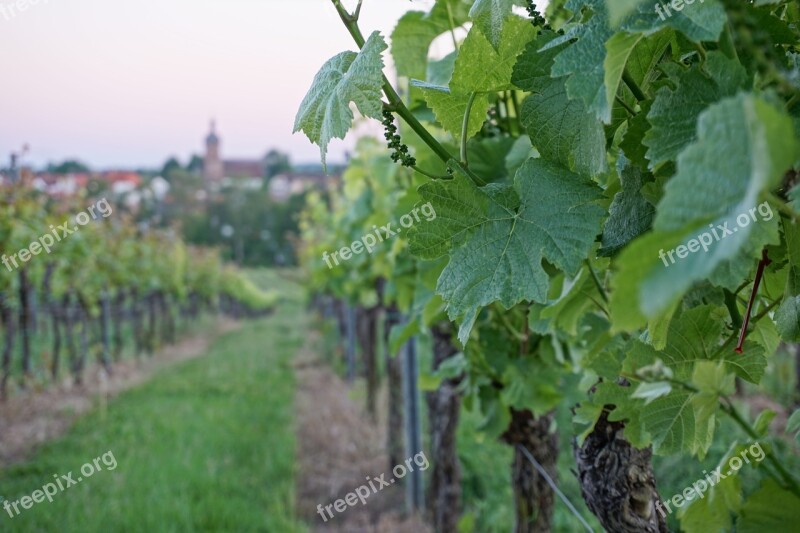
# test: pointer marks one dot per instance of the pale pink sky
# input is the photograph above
(126, 84)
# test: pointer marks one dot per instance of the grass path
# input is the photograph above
(205, 446)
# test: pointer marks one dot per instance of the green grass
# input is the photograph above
(205, 446)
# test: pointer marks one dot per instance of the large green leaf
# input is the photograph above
(694, 337)
(347, 77)
(770, 508)
(759, 145)
(416, 31)
(561, 129)
(482, 68)
(618, 49)
(787, 317)
(673, 114)
(700, 21)
(490, 16)
(479, 70)
(499, 236)
(630, 214)
(583, 60)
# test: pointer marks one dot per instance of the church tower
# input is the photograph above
(213, 170)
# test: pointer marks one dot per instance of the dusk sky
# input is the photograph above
(128, 84)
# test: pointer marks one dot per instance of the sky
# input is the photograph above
(121, 84)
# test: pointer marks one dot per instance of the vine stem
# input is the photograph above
(597, 283)
(633, 86)
(786, 477)
(765, 261)
(728, 408)
(395, 102)
(465, 129)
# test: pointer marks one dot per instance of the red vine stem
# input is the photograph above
(765, 261)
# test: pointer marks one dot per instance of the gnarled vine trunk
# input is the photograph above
(444, 406)
(533, 497)
(617, 480)
(25, 322)
(9, 327)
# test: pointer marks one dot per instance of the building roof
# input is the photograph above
(249, 168)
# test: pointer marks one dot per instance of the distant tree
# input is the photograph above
(276, 162)
(172, 165)
(70, 166)
(195, 165)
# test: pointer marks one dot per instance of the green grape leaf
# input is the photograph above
(572, 304)
(348, 77)
(560, 129)
(670, 420)
(450, 109)
(794, 198)
(532, 70)
(619, 9)
(694, 337)
(411, 40)
(416, 31)
(646, 56)
(499, 236)
(583, 60)
(482, 68)
(787, 317)
(673, 114)
(651, 390)
(707, 192)
(531, 385)
(618, 49)
(490, 16)
(713, 511)
(701, 21)
(770, 508)
(793, 424)
(630, 214)
(563, 132)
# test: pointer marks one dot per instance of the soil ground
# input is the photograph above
(338, 446)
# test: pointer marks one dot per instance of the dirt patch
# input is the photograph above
(31, 418)
(338, 447)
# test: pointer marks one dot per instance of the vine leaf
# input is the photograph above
(481, 69)
(673, 115)
(758, 144)
(416, 30)
(770, 508)
(325, 112)
(618, 49)
(583, 60)
(630, 214)
(490, 16)
(561, 129)
(703, 21)
(497, 236)
(787, 317)
(713, 512)
(693, 337)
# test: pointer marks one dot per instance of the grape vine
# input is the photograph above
(589, 143)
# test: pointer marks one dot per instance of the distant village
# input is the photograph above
(217, 174)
